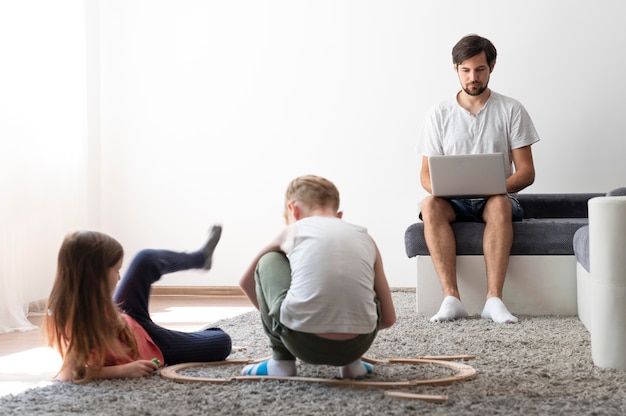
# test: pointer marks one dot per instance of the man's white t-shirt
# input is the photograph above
(502, 125)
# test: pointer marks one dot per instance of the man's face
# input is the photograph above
(474, 74)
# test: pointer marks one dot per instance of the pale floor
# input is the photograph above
(26, 362)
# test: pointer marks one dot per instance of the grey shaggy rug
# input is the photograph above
(540, 366)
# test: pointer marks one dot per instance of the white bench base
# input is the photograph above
(534, 285)
(583, 283)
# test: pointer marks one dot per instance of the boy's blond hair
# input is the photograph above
(312, 191)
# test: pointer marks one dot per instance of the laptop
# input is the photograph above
(467, 176)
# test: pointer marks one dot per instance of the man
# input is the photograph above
(477, 120)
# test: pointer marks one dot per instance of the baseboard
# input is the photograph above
(403, 289)
(38, 307)
(197, 291)
(220, 290)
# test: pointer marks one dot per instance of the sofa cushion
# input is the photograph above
(533, 236)
(548, 227)
(581, 247)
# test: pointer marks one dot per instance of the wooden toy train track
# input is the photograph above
(461, 370)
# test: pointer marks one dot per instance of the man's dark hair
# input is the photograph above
(470, 46)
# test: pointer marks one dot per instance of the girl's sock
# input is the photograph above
(271, 367)
(209, 247)
(355, 369)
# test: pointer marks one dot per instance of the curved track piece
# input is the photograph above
(462, 372)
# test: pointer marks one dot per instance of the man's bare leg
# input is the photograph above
(497, 242)
(437, 215)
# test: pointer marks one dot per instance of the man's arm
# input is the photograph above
(425, 175)
(524, 170)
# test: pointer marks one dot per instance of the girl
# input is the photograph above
(102, 329)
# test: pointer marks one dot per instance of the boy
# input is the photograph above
(319, 285)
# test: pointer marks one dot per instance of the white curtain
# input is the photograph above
(43, 146)
(13, 309)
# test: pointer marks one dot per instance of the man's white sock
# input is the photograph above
(451, 309)
(496, 310)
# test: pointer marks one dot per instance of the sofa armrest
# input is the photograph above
(607, 239)
(607, 294)
(581, 247)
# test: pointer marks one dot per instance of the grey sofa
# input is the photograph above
(548, 227)
(541, 277)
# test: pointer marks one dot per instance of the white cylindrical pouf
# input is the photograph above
(607, 261)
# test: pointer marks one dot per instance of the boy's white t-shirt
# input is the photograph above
(332, 278)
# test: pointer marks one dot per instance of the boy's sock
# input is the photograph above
(271, 367)
(451, 309)
(209, 247)
(355, 369)
(496, 311)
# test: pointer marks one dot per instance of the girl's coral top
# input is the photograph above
(146, 346)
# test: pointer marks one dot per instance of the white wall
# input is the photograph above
(43, 163)
(210, 108)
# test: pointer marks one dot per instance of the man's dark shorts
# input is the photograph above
(471, 210)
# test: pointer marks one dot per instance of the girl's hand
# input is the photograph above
(137, 369)
(134, 369)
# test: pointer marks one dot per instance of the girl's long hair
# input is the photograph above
(83, 323)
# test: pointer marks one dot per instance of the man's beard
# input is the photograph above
(474, 92)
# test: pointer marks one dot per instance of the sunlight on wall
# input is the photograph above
(43, 146)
